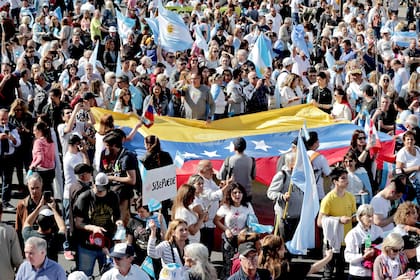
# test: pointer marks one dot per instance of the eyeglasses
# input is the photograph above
(253, 78)
(362, 138)
(117, 258)
(252, 260)
(348, 161)
(396, 250)
(386, 80)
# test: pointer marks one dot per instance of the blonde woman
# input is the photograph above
(392, 263)
(413, 85)
(213, 57)
(291, 94)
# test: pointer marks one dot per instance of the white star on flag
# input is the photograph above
(210, 154)
(230, 147)
(190, 155)
(260, 145)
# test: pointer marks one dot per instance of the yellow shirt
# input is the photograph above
(333, 205)
(94, 28)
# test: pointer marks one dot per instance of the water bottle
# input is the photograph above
(120, 233)
(368, 241)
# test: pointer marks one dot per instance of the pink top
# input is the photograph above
(43, 154)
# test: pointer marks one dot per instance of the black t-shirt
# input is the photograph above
(296, 271)
(7, 95)
(119, 166)
(156, 160)
(322, 96)
(98, 211)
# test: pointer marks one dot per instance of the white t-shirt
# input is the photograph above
(382, 206)
(78, 129)
(191, 218)
(235, 217)
(70, 160)
(409, 160)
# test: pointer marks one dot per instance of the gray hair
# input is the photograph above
(364, 209)
(412, 121)
(35, 177)
(39, 243)
(200, 254)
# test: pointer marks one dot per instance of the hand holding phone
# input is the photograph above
(47, 196)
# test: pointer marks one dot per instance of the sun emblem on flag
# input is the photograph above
(170, 28)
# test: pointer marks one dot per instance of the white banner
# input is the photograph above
(159, 183)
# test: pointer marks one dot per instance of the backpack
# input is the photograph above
(227, 172)
(40, 100)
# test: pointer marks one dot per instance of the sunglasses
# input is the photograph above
(348, 161)
(361, 138)
(396, 250)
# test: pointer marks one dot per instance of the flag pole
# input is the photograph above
(286, 208)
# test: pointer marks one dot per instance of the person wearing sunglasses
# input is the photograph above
(359, 184)
(392, 263)
(362, 146)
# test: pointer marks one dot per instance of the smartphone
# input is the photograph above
(47, 196)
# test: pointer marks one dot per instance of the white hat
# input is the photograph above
(47, 212)
(288, 61)
(112, 29)
(101, 180)
(77, 275)
(385, 30)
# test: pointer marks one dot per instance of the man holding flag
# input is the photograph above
(335, 218)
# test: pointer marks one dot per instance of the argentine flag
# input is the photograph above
(125, 25)
(303, 177)
(260, 55)
(154, 26)
(174, 35)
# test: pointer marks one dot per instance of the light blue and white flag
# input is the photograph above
(93, 57)
(329, 59)
(125, 25)
(58, 13)
(153, 24)
(200, 41)
(154, 205)
(118, 67)
(174, 34)
(179, 160)
(298, 39)
(402, 38)
(303, 177)
(260, 55)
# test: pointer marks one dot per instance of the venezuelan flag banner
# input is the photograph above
(268, 135)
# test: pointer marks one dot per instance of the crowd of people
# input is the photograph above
(357, 62)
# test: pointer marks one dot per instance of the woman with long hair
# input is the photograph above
(155, 157)
(182, 210)
(124, 104)
(413, 85)
(22, 119)
(291, 94)
(43, 155)
(171, 250)
(235, 210)
(406, 218)
(359, 183)
(341, 109)
(272, 258)
(360, 146)
(196, 258)
(158, 100)
(110, 55)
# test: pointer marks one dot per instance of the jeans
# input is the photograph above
(87, 258)
(6, 173)
(295, 18)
